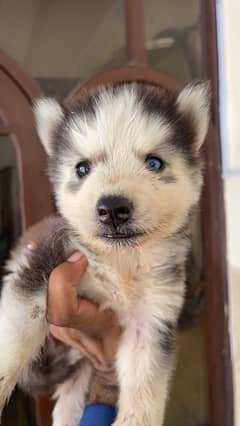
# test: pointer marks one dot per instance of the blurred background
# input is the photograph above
(53, 47)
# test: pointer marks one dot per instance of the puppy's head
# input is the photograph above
(125, 164)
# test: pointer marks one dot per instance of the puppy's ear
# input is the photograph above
(48, 115)
(193, 103)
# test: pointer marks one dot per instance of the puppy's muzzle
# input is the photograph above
(114, 210)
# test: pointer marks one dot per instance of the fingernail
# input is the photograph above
(75, 257)
(31, 246)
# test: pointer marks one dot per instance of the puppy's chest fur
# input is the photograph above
(137, 283)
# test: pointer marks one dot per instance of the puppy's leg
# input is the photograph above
(145, 364)
(55, 364)
(71, 397)
(23, 327)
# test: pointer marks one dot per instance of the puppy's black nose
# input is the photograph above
(114, 210)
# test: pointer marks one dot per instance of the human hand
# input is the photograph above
(79, 322)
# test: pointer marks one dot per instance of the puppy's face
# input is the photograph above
(125, 163)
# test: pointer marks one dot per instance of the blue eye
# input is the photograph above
(154, 164)
(83, 168)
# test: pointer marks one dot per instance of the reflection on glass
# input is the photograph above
(60, 45)
(19, 411)
(174, 37)
(9, 207)
(174, 44)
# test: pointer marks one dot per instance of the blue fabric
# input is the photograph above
(98, 415)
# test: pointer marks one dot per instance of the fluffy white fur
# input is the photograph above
(193, 100)
(71, 397)
(133, 280)
(20, 340)
(48, 115)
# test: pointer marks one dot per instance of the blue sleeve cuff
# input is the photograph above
(98, 415)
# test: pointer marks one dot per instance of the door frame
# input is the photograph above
(215, 253)
(213, 213)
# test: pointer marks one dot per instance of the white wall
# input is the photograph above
(229, 60)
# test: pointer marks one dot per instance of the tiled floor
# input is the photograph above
(188, 401)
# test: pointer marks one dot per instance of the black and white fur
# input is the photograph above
(136, 268)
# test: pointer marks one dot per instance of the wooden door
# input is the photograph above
(18, 91)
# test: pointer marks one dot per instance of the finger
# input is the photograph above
(66, 309)
(62, 291)
(30, 248)
(96, 350)
(64, 335)
(68, 273)
(92, 321)
(85, 316)
(90, 347)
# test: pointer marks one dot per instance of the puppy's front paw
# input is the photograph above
(66, 415)
(129, 420)
(137, 419)
(128, 423)
(121, 422)
(7, 384)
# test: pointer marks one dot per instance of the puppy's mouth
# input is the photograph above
(126, 237)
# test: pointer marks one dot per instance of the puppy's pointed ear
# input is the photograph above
(48, 115)
(193, 103)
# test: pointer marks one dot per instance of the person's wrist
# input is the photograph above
(103, 388)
